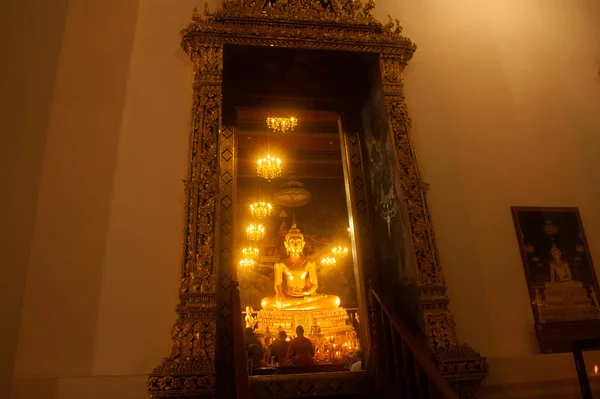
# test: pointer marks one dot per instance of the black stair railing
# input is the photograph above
(400, 366)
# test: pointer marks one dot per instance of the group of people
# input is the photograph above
(296, 352)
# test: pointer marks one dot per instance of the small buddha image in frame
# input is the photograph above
(560, 274)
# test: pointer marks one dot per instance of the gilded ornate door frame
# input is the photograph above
(342, 25)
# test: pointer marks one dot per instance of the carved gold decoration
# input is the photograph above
(281, 124)
(341, 25)
(190, 367)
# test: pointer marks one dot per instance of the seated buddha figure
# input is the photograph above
(560, 271)
(296, 281)
(562, 290)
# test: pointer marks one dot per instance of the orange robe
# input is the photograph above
(301, 352)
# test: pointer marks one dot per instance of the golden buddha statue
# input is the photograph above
(296, 280)
(250, 319)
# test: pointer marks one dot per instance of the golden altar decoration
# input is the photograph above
(320, 326)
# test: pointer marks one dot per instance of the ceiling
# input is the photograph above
(311, 150)
(317, 87)
(312, 78)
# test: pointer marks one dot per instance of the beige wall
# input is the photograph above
(503, 96)
(101, 289)
(62, 293)
(30, 44)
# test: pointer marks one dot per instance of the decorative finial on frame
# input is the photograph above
(369, 5)
(206, 10)
(390, 25)
(196, 15)
(398, 27)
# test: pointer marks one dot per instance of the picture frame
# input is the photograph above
(560, 274)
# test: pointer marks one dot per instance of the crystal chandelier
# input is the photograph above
(255, 232)
(269, 167)
(328, 261)
(250, 253)
(246, 262)
(281, 124)
(339, 252)
(261, 210)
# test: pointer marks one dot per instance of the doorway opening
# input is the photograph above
(298, 263)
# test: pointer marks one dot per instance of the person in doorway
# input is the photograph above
(301, 351)
(279, 349)
(254, 349)
(358, 365)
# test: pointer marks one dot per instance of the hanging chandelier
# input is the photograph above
(255, 232)
(281, 124)
(246, 262)
(339, 252)
(269, 167)
(328, 261)
(250, 253)
(261, 210)
(292, 194)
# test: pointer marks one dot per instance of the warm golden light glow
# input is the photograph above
(339, 252)
(269, 167)
(261, 210)
(281, 124)
(328, 261)
(250, 252)
(595, 369)
(255, 232)
(246, 262)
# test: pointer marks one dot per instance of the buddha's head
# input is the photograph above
(249, 310)
(555, 252)
(294, 241)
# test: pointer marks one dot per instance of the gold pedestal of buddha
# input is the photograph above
(318, 324)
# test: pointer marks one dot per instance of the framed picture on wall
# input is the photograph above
(561, 278)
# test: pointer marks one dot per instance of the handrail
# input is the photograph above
(408, 371)
(578, 347)
(242, 383)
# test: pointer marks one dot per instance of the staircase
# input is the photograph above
(398, 367)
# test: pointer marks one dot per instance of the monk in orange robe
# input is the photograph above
(301, 351)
